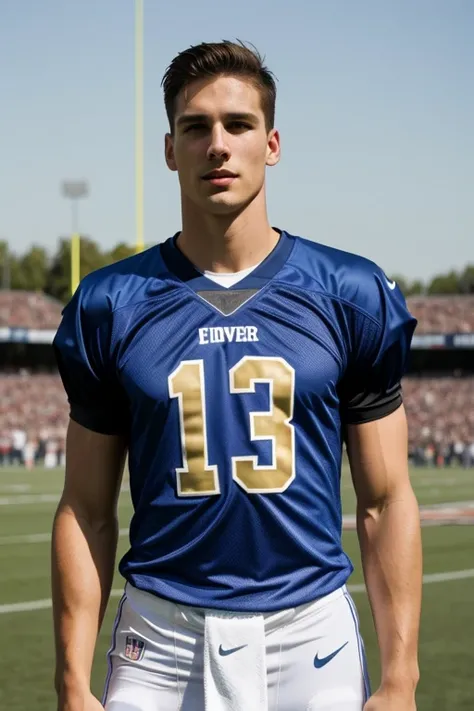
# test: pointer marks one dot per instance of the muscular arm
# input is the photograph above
(83, 551)
(390, 541)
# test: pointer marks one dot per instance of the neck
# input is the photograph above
(226, 243)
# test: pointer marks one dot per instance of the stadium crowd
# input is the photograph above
(28, 309)
(435, 314)
(34, 415)
(33, 419)
(443, 314)
(441, 420)
(34, 411)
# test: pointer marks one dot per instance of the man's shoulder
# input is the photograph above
(346, 276)
(122, 283)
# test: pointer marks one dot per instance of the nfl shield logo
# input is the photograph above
(134, 649)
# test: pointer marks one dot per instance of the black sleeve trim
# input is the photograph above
(370, 406)
(98, 421)
(374, 413)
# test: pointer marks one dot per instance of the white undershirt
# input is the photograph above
(228, 279)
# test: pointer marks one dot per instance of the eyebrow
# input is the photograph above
(233, 116)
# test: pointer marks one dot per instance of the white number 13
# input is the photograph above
(197, 477)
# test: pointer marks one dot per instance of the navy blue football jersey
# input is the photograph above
(234, 402)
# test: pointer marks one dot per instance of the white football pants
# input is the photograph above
(169, 657)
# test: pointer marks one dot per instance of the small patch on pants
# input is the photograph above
(134, 648)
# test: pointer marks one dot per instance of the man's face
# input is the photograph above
(220, 146)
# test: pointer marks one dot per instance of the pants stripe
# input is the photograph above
(360, 643)
(112, 650)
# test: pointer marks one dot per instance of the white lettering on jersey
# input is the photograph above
(221, 334)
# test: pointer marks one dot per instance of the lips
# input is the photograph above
(218, 175)
(220, 178)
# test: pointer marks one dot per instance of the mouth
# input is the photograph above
(220, 177)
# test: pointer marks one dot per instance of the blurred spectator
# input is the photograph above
(18, 436)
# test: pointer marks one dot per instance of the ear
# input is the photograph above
(273, 147)
(169, 152)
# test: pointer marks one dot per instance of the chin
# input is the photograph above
(222, 204)
(227, 202)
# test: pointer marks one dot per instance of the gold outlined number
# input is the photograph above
(197, 477)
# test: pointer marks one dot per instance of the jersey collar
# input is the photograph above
(183, 269)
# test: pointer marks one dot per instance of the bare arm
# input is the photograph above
(83, 551)
(390, 540)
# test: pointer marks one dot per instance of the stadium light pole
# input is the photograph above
(74, 190)
(139, 162)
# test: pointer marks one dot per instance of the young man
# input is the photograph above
(231, 362)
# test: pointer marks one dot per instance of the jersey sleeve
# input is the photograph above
(381, 334)
(81, 345)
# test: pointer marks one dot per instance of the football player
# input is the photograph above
(232, 363)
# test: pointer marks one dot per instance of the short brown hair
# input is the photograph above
(219, 59)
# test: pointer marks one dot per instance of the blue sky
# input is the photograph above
(375, 110)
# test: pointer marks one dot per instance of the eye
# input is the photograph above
(239, 126)
(194, 127)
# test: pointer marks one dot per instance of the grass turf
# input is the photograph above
(26, 672)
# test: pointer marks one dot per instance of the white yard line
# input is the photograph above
(37, 538)
(427, 579)
(15, 488)
(441, 481)
(25, 538)
(21, 499)
(27, 499)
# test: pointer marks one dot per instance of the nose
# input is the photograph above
(218, 146)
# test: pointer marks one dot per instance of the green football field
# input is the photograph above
(27, 504)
